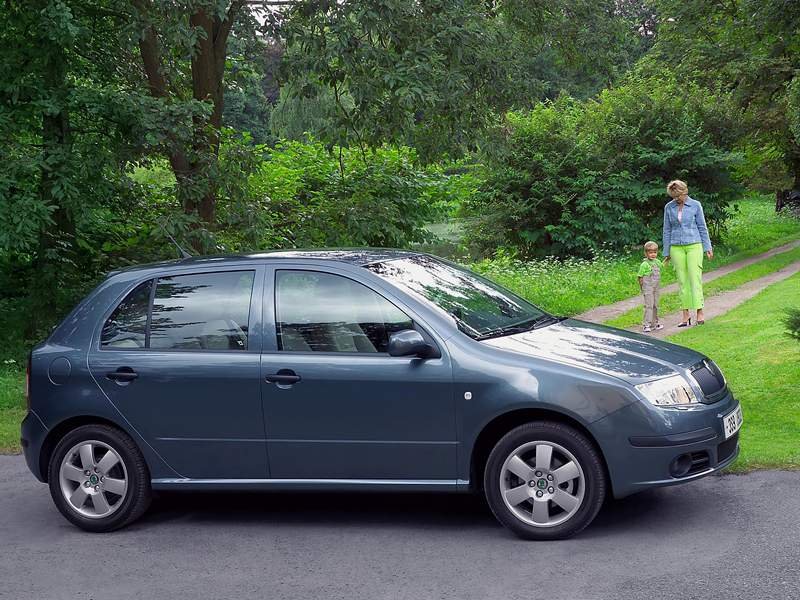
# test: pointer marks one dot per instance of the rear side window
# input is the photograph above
(321, 312)
(127, 325)
(205, 311)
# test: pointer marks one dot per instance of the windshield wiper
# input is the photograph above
(520, 327)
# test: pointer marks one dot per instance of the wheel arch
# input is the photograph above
(502, 424)
(57, 433)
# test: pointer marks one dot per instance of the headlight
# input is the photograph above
(670, 391)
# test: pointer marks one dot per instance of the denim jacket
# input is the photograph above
(691, 229)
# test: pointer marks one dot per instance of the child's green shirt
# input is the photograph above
(647, 267)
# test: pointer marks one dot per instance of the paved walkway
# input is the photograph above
(601, 314)
(723, 302)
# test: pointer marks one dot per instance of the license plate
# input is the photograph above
(732, 422)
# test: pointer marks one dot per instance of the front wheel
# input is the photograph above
(545, 481)
(98, 478)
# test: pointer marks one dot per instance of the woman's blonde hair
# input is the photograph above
(676, 187)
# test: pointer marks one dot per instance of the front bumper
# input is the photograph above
(640, 443)
(33, 433)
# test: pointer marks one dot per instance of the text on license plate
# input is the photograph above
(732, 422)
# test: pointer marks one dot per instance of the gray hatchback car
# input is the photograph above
(359, 369)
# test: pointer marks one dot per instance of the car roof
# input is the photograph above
(352, 256)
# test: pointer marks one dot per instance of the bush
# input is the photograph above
(573, 177)
(305, 196)
(792, 322)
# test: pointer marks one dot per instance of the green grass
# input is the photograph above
(12, 407)
(671, 302)
(762, 365)
(575, 285)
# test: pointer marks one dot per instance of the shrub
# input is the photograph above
(792, 322)
(306, 196)
(573, 177)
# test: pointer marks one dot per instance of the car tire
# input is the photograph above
(98, 478)
(545, 481)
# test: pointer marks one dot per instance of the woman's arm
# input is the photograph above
(666, 234)
(700, 221)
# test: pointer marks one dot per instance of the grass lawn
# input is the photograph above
(671, 303)
(762, 366)
(572, 286)
(12, 408)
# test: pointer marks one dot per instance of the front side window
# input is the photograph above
(204, 311)
(321, 312)
(479, 307)
(127, 325)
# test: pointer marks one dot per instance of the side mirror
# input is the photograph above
(410, 343)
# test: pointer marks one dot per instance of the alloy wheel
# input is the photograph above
(93, 479)
(542, 483)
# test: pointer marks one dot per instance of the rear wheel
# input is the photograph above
(545, 481)
(98, 478)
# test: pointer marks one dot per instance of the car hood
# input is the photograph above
(624, 354)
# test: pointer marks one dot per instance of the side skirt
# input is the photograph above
(343, 485)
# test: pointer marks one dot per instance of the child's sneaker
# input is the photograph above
(658, 326)
(647, 329)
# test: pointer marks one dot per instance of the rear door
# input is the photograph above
(336, 405)
(179, 358)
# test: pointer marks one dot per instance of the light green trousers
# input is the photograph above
(688, 263)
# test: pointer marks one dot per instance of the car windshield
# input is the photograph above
(480, 308)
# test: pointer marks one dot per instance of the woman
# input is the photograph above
(685, 239)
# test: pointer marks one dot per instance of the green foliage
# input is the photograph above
(750, 48)
(297, 116)
(792, 322)
(435, 74)
(575, 177)
(307, 196)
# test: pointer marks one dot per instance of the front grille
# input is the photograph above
(700, 462)
(710, 379)
(727, 448)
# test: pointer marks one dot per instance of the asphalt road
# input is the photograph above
(721, 537)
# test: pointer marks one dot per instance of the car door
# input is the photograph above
(336, 405)
(179, 358)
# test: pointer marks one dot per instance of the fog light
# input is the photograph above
(680, 465)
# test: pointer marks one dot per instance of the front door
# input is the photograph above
(179, 358)
(336, 405)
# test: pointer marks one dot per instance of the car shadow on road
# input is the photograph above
(374, 509)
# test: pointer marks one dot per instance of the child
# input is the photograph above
(649, 279)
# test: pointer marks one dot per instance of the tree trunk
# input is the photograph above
(208, 69)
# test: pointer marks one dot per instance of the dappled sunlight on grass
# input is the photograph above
(762, 365)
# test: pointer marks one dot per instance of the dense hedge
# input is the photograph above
(571, 177)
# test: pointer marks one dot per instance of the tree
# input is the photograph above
(64, 125)
(437, 74)
(749, 48)
(164, 35)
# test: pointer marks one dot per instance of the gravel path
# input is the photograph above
(719, 304)
(601, 314)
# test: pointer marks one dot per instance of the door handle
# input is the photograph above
(122, 375)
(283, 377)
